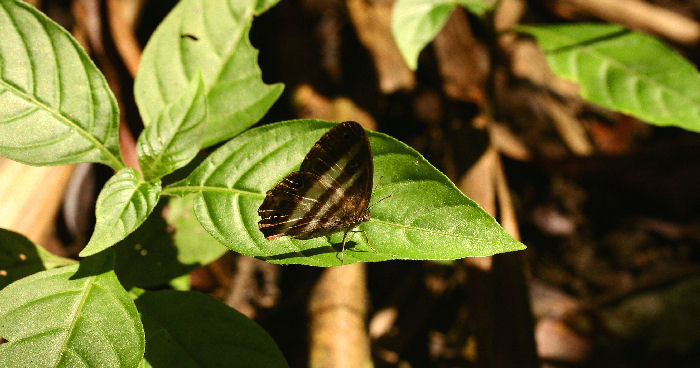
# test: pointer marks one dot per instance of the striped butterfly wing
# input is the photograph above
(329, 193)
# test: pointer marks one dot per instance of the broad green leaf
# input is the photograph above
(414, 23)
(123, 204)
(55, 105)
(624, 71)
(174, 137)
(202, 332)
(194, 244)
(70, 317)
(148, 257)
(236, 95)
(19, 257)
(427, 217)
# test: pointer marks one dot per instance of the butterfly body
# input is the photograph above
(330, 193)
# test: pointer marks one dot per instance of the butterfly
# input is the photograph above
(330, 192)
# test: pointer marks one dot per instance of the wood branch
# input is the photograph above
(528, 62)
(640, 15)
(338, 308)
(123, 15)
(508, 143)
(498, 296)
(372, 21)
(478, 183)
(463, 62)
(508, 14)
(31, 197)
(310, 104)
(568, 126)
(88, 18)
(245, 293)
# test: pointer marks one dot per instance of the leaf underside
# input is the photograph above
(624, 71)
(56, 105)
(56, 318)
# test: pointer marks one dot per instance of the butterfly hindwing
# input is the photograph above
(343, 157)
(329, 193)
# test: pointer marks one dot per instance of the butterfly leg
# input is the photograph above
(366, 238)
(342, 252)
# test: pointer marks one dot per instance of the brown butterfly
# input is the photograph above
(329, 193)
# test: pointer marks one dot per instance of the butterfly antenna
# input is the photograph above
(379, 181)
(370, 206)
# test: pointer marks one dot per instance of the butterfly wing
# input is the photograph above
(329, 193)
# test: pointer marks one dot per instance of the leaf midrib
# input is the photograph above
(74, 319)
(175, 190)
(158, 162)
(113, 161)
(433, 231)
(195, 189)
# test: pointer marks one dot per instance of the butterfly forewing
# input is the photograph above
(329, 193)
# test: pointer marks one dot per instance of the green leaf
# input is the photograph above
(414, 23)
(427, 217)
(194, 244)
(123, 204)
(55, 105)
(19, 257)
(236, 95)
(174, 137)
(202, 332)
(624, 71)
(149, 257)
(70, 317)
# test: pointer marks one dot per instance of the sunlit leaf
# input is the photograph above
(624, 71)
(123, 204)
(211, 36)
(175, 135)
(194, 244)
(427, 217)
(414, 23)
(55, 105)
(70, 317)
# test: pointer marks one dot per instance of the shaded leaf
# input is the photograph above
(202, 332)
(56, 105)
(194, 244)
(236, 95)
(19, 257)
(148, 257)
(415, 23)
(624, 71)
(123, 204)
(175, 135)
(70, 317)
(427, 217)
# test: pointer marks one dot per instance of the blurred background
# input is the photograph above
(606, 204)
